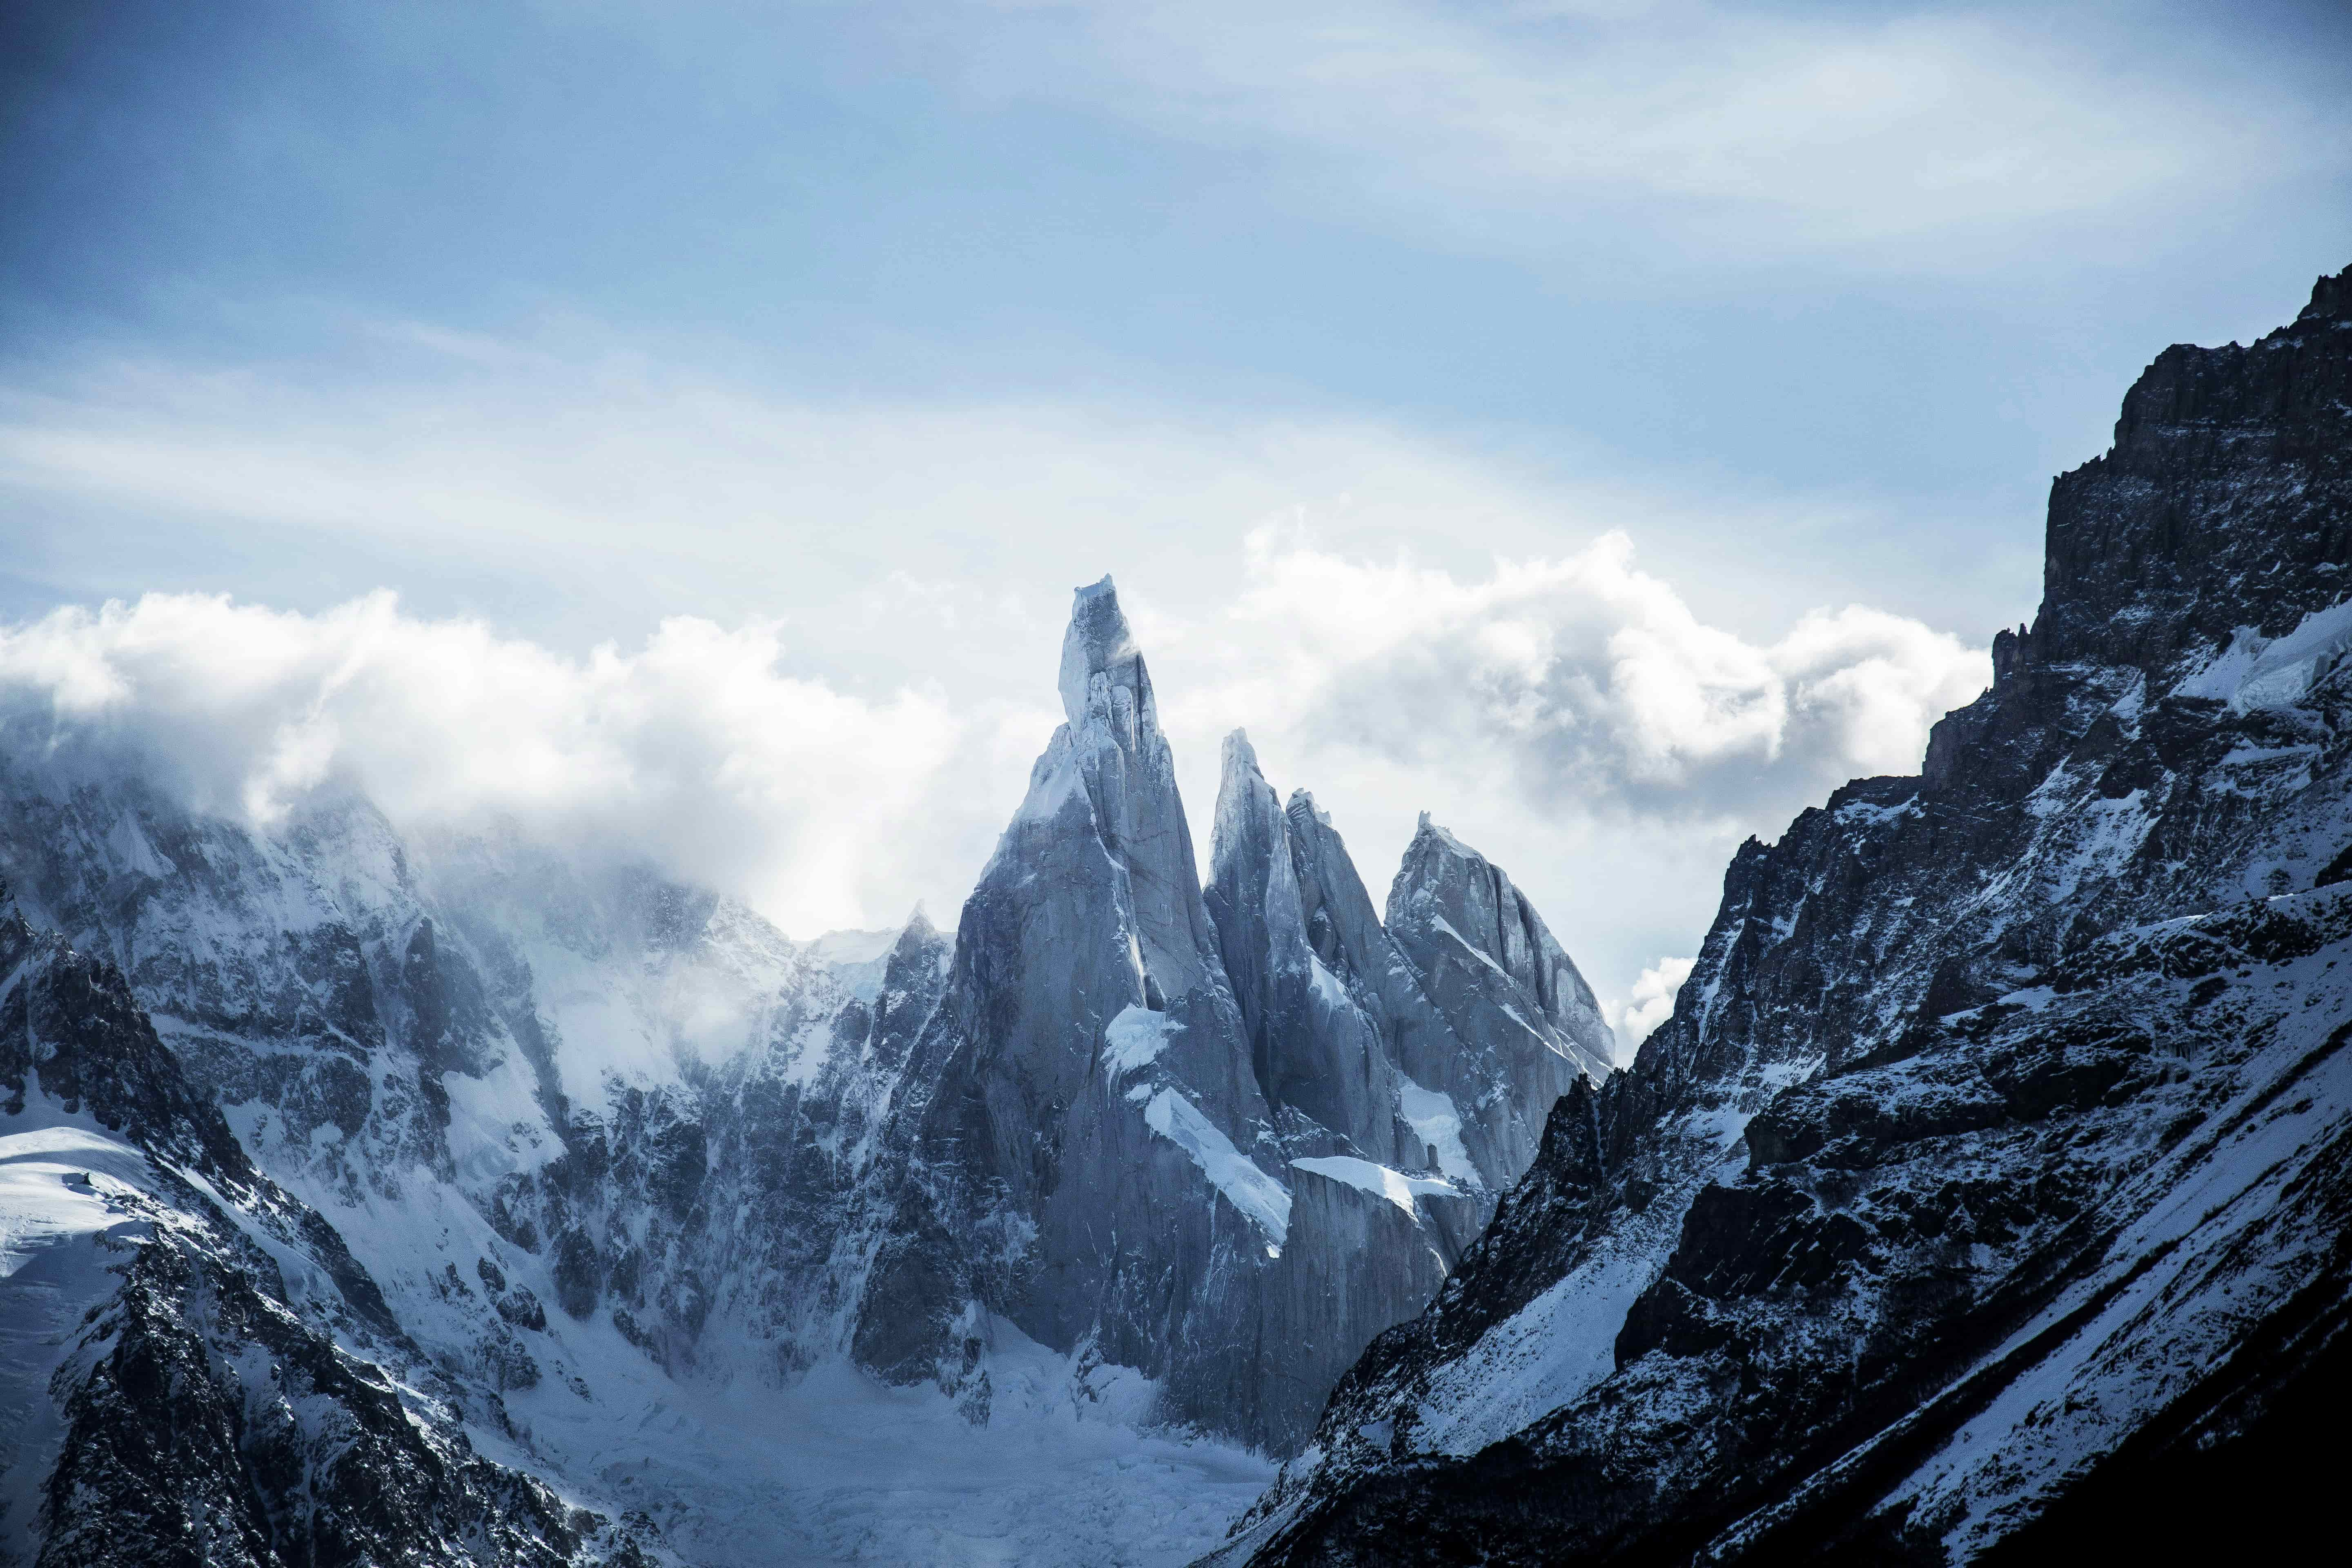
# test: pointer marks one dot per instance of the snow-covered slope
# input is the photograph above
(193, 1367)
(1985, 1195)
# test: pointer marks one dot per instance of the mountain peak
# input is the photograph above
(1098, 640)
(1429, 829)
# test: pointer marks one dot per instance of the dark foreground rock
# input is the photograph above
(1985, 1195)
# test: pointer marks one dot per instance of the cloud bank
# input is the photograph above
(1574, 711)
(694, 753)
(1582, 682)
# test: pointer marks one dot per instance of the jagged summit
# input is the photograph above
(1428, 829)
(1222, 1134)
(1100, 643)
(1448, 897)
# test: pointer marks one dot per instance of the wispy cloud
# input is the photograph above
(1877, 136)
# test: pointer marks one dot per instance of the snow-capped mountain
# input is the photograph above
(569, 1174)
(1185, 1143)
(1987, 1196)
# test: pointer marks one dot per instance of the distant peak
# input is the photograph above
(1099, 638)
(1304, 800)
(1239, 755)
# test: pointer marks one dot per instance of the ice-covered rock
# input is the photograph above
(1318, 1054)
(601, 1143)
(193, 1367)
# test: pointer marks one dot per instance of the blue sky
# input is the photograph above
(890, 323)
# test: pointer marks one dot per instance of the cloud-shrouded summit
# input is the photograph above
(1561, 705)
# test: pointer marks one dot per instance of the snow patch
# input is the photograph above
(1550, 1352)
(1328, 986)
(1135, 1038)
(1247, 1187)
(2255, 671)
(1475, 951)
(1377, 1180)
(843, 1469)
(1432, 1115)
(64, 1233)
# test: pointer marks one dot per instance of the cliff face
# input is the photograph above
(1988, 1182)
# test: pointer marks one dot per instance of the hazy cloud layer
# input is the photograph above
(1548, 704)
(693, 752)
(1916, 137)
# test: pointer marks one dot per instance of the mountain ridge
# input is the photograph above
(1857, 1255)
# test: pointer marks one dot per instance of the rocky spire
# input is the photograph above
(1524, 1024)
(1109, 764)
(1316, 1050)
(1086, 1150)
(1100, 643)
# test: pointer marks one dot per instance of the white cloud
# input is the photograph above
(695, 750)
(1582, 683)
(1651, 1004)
(1572, 716)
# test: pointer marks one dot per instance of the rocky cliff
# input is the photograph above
(1985, 1195)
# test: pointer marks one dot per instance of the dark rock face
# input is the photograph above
(1987, 1184)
